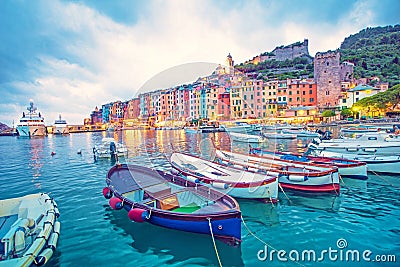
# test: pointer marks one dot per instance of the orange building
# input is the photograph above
(301, 93)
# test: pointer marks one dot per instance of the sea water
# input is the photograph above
(300, 230)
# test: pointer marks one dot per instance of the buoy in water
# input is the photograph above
(79, 152)
(53, 153)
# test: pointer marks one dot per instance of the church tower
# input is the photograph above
(229, 69)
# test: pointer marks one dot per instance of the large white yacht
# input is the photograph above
(60, 126)
(32, 123)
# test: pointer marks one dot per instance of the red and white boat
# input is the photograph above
(348, 168)
(234, 181)
(300, 176)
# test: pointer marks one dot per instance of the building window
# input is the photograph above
(310, 86)
(304, 92)
(311, 100)
(290, 99)
(357, 93)
(310, 92)
(326, 92)
(344, 100)
(290, 92)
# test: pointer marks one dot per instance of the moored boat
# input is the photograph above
(60, 126)
(236, 182)
(109, 148)
(292, 175)
(301, 133)
(278, 135)
(389, 164)
(368, 144)
(247, 138)
(32, 123)
(347, 168)
(191, 130)
(170, 201)
(29, 230)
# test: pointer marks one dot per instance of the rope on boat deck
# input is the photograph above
(213, 239)
(262, 241)
(384, 179)
(284, 193)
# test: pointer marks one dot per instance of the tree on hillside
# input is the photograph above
(345, 113)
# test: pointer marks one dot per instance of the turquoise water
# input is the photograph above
(366, 214)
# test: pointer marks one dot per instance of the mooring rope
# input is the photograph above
(384, 179)
(262, 241)
(284, 193)
(215, 246)
(345, 185)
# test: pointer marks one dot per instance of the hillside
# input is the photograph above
(3, 127)
(375, 52)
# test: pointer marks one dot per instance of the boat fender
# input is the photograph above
(138, 215)
(56, 211)
(31, 223)
(296, 178)
(192, 179)
(43, 257)
(52, 243)
(107, 193)
(19, 239)
(220, 185)
(116, 203)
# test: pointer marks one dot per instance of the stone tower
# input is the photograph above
(327, 77)
(229, 64)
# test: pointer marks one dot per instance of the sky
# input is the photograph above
(71, 56)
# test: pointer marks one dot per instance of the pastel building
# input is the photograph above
(270, 90)
(301, 93)
(357, 93)
(235, 100)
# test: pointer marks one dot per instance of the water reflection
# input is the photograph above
(35, 160)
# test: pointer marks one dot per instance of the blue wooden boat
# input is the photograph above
(170, 201)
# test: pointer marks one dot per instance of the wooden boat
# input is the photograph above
(292, 175)
(170, 201)
(247, 138)
(29, 230)
(389, 164)
(236, 182)
(347, 168)
(109, 148)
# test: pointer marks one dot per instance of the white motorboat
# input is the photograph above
(375, 163)
(60, 126)
(247, 138)
(240, 128)
(301, 176)
(32, 123)
(29, 230)
(109, 148)
(366, 144)
(236, 182)
(301, 133)
(278, 135)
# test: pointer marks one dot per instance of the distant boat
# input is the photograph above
(170, 201)
(276, 135)
(29, 230)
(61, 126)
(247, 138)
(32, 123)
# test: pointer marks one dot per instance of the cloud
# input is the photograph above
(73, 56)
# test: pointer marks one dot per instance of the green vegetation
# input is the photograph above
(375, 52)
(345, 113)
(382, 101)
(328, 113)
(274, 69)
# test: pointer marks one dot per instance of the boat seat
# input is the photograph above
(158, 191)
(5, 224)
(169, 203)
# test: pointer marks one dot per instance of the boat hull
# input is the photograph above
(299, 176)
(61, 130)
(31, 131)
(375, 163)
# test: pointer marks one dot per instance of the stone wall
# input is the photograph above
(327, 77)
(291, 51)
